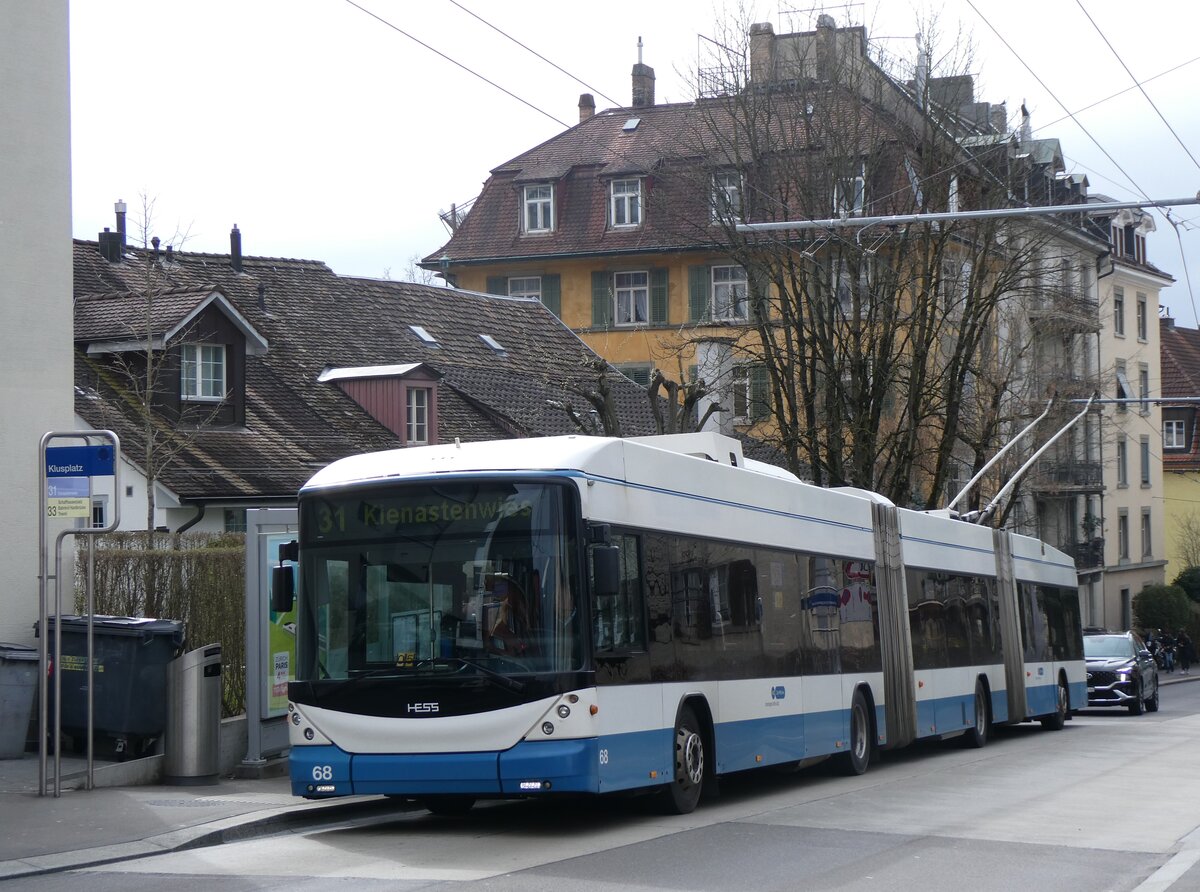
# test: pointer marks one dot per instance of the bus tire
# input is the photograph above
(682, 794)
(858, 758)
(978, 734)
(1058, 718)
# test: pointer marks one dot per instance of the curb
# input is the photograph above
(213, 833)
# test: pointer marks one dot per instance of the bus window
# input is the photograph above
(619, 620)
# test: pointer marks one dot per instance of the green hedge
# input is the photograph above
(196, 578)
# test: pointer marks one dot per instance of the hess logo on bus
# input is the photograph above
(423, 708)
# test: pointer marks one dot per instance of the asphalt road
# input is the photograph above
(1112, 802)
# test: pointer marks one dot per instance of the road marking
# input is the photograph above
(1176, 867)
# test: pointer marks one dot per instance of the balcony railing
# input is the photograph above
(1064, 307)
(1087, 555)
(1056, 474)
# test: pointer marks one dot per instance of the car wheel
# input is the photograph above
(1137, 705)
(1152, 703)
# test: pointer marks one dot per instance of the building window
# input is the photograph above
(1144, 388)
(539, 208)
(633, 298)
(235, 520)
(729, 292)
(1124, 388)
(528, 286)
(1147, 545)
(1119, 312)
(1122, 463)
(416, 428)
(849, 189)
(1174, 434)
(1144, 451)
(1141, 317)
(99, 517)
(1123, 535)
(625, 206)
(749, 398)
(202, 371)
(726, 196)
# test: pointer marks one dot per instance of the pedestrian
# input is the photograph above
(1186, 651)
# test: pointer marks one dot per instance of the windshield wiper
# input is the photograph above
(492, 675)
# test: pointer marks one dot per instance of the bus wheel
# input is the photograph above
(1058, 718)
(977, 735)
(449, 806)
(682, 794)
(859, 757)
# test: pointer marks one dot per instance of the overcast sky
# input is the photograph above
(326, 133)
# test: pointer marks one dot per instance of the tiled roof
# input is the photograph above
(313, 319)
(1180, 355)
(671, 146)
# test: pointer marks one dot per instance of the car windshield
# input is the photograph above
(1107, 646)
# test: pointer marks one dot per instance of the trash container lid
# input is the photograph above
(18, 652)
(121, 625)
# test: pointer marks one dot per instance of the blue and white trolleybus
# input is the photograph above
(575, 615)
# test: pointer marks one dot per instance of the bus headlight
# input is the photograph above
(548, 728)
(563, 711)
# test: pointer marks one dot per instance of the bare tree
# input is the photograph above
(882, 351)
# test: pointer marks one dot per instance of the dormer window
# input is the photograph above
(726, 196)
(202, 371)
(539, 208)
(625, 203)
(849, 189)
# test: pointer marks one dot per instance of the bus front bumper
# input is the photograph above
(527, 769)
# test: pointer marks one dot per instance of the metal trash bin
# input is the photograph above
(18, 685)
(193, 740)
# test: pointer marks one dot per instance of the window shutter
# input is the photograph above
(552, 293)
(699, 300)
(760, 288)
(760, 402)
(659, 309)
(602, 308)
(497, 284)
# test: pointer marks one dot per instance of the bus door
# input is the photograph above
(826, 714)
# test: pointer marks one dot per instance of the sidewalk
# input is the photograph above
(44, 834)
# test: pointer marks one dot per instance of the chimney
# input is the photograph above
(262, 297)
(922, 78)
(110, 246)
(643, 82)
(170, 254)
(235, 249)
(762, 53)
(827, 49)
(1026, 130)
(587, 106)
(119, 207)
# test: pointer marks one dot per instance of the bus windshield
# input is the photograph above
(412, 577)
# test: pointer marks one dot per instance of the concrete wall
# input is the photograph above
(35, 282)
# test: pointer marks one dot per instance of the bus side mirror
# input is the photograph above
(606, 570)
(283, 589)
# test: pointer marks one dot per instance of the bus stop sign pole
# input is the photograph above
(66, 474)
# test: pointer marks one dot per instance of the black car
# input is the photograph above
(1120, 671)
